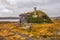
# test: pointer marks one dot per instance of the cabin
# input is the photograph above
(24, 18)
(37, 16)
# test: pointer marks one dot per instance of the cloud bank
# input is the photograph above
(12, 8)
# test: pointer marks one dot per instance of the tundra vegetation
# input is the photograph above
(9, 31)
(50, 30)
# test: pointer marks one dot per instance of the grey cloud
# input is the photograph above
(29, 4)
(17, 7)
(34, 3)
(55, 1)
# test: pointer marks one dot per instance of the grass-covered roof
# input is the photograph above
(42, 17)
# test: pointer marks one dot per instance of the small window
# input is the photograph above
(44, 17)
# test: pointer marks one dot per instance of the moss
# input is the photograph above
(39, 19)
(34, 20)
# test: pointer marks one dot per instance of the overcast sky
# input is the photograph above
(12, 8)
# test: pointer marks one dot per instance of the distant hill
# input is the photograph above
(56, 19)
(9, 17)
